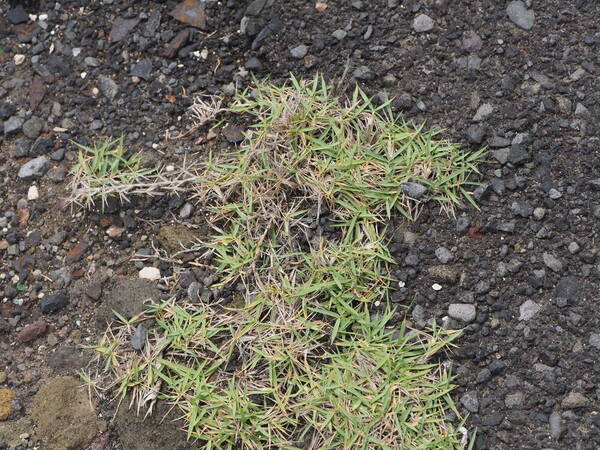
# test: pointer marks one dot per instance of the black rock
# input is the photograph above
(7, 110)
(483, 376)
(567, 291)
(253, 64)
(17, 15)
(53, 303)
(462, 224)
(492, 420)
(142, 70)
(517, 155)
(496, 367)
(414, 190)
(271, 28)
(364, 73)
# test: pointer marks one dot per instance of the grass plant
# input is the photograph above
(311, 357)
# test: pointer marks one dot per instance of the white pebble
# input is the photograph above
(436, 287)
(33, 193)
(19, 59)
(150, 273)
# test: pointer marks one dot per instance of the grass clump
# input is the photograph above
(103, 170)
(106, 169)
(310, 356)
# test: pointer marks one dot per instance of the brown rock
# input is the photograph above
(115, 231)
(94, 291)
(77, 253)
(6, 398)
(32, 331)
(176, 43)
(190, 12)
(574, 400)
(64, 415)
(444, 273)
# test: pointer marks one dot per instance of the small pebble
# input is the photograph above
(150, 273)
(33, 193)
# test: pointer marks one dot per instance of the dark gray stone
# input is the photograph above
(53, 303)
(142, 69)
(138, 339)
(253, 64)
(255, 8)
(17, 15)
(363, 73)
(444, 255)
(470, 401)
(523, 209)
(475, 134)
(471, 42)
(33, 127)
(414, 190)
(555, 422)
(108, 87)
(299, 52)
(595, 340)
(517, 155)
(567, 290)
(12, 125)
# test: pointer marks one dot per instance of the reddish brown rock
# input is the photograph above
(32, 331)
(191, 12)
(77, 253)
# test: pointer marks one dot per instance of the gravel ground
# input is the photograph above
(521, 276)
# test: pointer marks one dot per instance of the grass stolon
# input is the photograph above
(311, 358)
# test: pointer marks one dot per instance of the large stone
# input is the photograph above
(150, 273)
(519, 15)
(33, 127)
(12, 125)
(414, 190)
(65, 415)
(32, 331)
(108, 87)
(528, 309)
(423, 23)
(34, 168)
(470, 401)
(17, 15)
(462, 311)
(483, 112)
(574, 400)
(53, 303)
